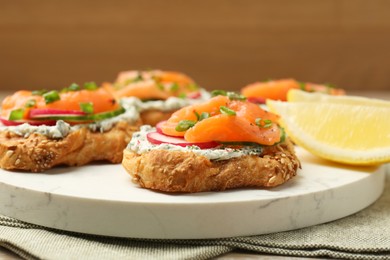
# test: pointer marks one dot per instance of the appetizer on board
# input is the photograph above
(220, 144)
(74, 126)
(258, 92)
(156, 93)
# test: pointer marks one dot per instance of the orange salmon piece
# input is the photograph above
(225, 128)
(251, 111)
(274, 89)
(153, 84)
(16, 101)
(172, 76)
(142, 90)
(103, 101)
(188, 113)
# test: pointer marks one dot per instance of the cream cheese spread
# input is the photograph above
(170, 104)
(139, 144)
(60, 130)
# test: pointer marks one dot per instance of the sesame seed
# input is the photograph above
(9, 153)
(272, 180)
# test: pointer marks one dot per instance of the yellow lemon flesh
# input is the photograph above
(354, 131)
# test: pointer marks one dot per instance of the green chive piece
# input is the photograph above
(204, 115)
(30, 103)
(302, 85)
(267, 123)
(133, 80)
(231, 95)
(87, 107)
(184, 125)
(193, 86)
(258, 121)
(218, 93)
(73, 87)
(182, 95)
(263, 123)
(235, 96)
(197, 115)
(160, 86)
(16, 114)
(90, 85)
(38, 92)
(282, 135)
(227, 111)
(51, 96)
(174, 87)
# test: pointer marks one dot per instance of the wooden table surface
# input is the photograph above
(7, 254)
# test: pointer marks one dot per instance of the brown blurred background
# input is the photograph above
(220, 43)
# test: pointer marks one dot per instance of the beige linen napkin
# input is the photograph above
(364, 235)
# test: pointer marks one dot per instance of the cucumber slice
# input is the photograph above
(82, 118)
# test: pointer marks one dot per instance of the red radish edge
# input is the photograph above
(158, 138)
(194, 95)
(158, 127)
(6, 122)
(40, 112)
(256, 100)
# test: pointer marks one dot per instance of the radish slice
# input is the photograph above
(6, 122)
(157, 138)
(158, 127)
(194, 95)
(46, 112)
(256, 100)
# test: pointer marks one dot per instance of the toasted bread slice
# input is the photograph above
(178, 171)
(37, 152)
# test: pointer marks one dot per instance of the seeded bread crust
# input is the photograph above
(176, 171)
(38, 153)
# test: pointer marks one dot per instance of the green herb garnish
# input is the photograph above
(16, 114)
(73, 87)
(182, 95)
(90, 85)
(204, 115)
(231, 95)
(218, 93)
(87, 107)
(227, 111)
(51, 96)
(184, 125)
(30, 103)
(235, 96)
(266, 123)
(174, 87)
(282, 135)
(133, 80)
(38, 92)
(302, 85)
(160, 86)
(193, 86)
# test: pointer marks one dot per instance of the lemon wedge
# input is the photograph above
(295, 95)
(355, 130)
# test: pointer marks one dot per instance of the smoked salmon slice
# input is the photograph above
(226, 121)
(153, 84)
(190, 113)
(277, 89)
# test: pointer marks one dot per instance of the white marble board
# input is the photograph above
(102, 200)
